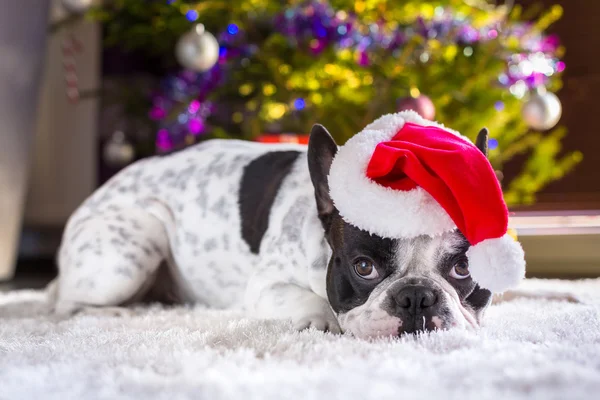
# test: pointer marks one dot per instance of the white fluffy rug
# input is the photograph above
(528, 349)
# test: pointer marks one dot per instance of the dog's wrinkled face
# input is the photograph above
(386, 287)
(381, 287)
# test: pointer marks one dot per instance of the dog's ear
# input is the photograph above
(482, 144)
(321, 150)
(482, 141)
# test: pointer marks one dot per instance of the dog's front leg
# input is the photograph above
(282, 300)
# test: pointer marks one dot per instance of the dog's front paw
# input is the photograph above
(108, 312)
(318, 322)
(300, 305)
(67, 309)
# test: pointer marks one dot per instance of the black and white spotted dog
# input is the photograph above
(242, 225)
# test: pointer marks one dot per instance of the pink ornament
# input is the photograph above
(194, 106)
(157, 113)
(422, 105)
(195, 126)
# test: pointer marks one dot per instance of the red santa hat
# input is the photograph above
(404, 176)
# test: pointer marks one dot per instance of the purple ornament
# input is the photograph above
(157, 113)
(363, 59)
(468, 35)
(317, 46)
(549, 44)
(163, 140)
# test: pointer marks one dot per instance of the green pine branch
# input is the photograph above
(344, 96)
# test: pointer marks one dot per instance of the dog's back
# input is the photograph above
(212, 212)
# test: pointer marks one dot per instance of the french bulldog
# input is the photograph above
(250, 226)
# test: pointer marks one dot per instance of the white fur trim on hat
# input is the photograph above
(377, 209)
(497, 264)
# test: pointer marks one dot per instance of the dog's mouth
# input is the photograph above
(391, 326)
(385, 318)
(422, 323)
(467, 315)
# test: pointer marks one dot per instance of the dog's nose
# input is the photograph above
(415, 299)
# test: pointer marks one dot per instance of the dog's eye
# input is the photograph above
(365, 269)
(460, 270)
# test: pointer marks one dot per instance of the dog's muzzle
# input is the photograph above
(417, 305)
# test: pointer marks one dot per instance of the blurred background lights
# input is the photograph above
(493, 144)
(299, 104)
(232, 29)
(191, 15)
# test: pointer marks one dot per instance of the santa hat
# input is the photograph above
(404, 176)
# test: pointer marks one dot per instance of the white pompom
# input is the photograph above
(497, 264)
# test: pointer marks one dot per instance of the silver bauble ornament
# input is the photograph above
(78, 6)
(542, 110)
(197, 50)
(118, 152)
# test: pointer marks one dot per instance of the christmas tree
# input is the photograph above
(244, 68)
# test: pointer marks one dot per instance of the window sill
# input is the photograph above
(559, 244)
(544, 223)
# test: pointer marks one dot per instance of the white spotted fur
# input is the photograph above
(184, 209)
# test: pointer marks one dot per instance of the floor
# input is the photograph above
(526, 349)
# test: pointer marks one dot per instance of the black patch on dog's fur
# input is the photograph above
(260, 183)
(321, 150)
(468, 290)
(479, 299)
(345, 290)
